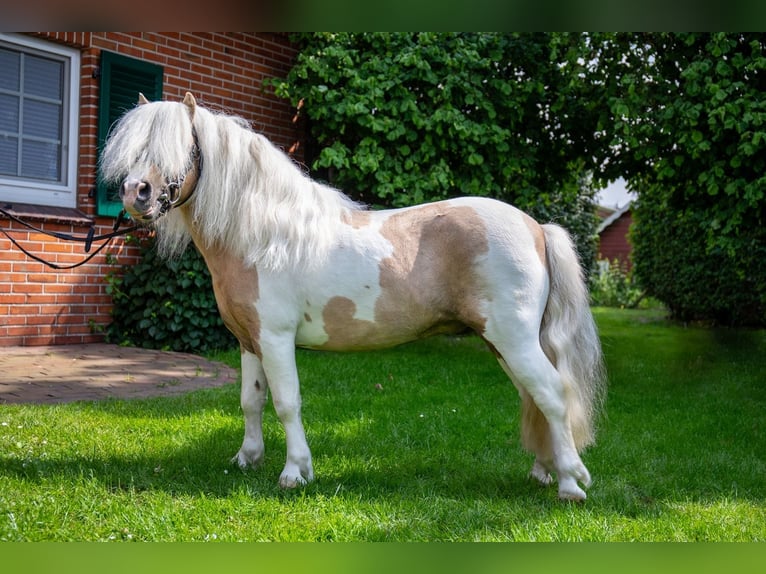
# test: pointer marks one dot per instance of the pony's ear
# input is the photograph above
(142, 99)
(190, 103)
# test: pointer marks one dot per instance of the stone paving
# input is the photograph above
(92, 372)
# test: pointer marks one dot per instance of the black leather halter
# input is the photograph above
(170, 196)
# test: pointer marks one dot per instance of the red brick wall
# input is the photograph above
(225, 71)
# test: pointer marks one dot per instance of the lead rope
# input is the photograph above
(88, 239)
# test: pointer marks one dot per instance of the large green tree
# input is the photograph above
(685, 118)
(397, 119)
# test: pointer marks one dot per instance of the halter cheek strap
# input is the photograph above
(170, 196)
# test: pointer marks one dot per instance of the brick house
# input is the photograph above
(59, 93)
(613, 240)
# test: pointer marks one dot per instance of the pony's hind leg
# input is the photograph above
(253, 395)
(531, 371)
(535, 433)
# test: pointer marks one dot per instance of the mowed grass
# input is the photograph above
(414, 443)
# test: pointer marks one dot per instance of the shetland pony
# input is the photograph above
(297, 263)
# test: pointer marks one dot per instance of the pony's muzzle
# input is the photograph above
(136, 196)
(135, 190)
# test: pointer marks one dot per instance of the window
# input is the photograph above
(122, 78)
(39, 104)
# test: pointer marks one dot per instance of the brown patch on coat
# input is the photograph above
(429, 284)
(236, 292)
(356, 218)
(539, 236)
(338, 316)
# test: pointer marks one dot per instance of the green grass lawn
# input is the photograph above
(415, 443)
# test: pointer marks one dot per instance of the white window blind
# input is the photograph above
(38, 122)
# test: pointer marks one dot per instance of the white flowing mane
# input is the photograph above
(251, 197)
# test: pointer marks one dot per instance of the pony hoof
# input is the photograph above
(541, 474)
(290, 482)
(243, 460)
(569, 490)
(573, 495)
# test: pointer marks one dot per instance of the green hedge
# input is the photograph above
(674, 261)
(166, 304)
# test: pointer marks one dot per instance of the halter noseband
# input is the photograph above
(170, 192)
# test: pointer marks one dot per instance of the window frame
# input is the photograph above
(40, 192)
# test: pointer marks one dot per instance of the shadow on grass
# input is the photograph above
(201, 464)
(633, 474)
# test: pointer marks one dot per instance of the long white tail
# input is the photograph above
(569, 337)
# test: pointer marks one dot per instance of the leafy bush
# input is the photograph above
(675, 263)
(612, 285)
(398, 119)
(166, 304)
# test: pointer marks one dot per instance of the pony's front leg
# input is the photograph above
(282, 373)
(253, 397)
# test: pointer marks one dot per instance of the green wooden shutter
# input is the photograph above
(122, 78)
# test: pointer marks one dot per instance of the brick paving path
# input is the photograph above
(89, 372)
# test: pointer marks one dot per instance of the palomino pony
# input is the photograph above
(297, 263)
